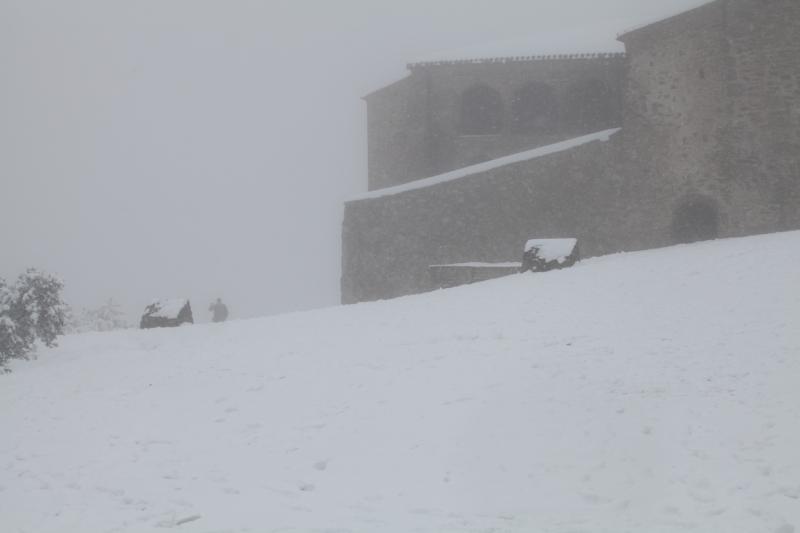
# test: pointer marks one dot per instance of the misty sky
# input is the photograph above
(192, 148)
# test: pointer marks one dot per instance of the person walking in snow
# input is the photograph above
(219, 310)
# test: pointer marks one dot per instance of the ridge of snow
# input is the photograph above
(510, 264)
(653, 391)
(602, 136)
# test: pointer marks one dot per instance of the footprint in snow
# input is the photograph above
(321, 465)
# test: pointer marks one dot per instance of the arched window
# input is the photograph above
(535, 108)
(592, 106)
(481, 111)
(696, 219)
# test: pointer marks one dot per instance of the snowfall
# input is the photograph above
(646, 392)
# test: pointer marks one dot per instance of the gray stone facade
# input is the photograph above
(421, 126)
(712, 114)
(709, 106)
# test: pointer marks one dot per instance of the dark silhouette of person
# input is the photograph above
(220, 311)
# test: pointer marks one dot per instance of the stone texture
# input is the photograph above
(414, 125)
(448, 276)
(388, 243)
(710, 116)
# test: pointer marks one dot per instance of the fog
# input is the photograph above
(204, 148)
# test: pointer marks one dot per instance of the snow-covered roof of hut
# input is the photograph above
(167, 308)
(552, 249)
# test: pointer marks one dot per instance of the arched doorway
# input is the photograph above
(696, 219)
(481, 111)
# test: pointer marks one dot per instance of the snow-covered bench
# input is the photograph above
(542, 255)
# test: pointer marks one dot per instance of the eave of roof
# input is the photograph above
(518, 59)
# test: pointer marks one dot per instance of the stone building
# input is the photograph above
(451, 114)
(693, 133)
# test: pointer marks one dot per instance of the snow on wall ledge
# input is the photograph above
(486, 166)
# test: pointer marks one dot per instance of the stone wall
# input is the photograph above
(709, 147)
(449, 276)
(397, 146)
(389, 242)
(674, 113)
(415, 125)
(711, 109)
(762, 142)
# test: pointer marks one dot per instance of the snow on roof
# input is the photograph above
(167, 308)
(542, 151)
(541, 45)
(552, 249)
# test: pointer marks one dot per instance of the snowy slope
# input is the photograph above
(647, 392)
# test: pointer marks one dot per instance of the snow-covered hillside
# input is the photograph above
(647, 392)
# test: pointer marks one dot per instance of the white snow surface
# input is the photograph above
(645, 392)
(602, 136)
(552, 249)
(169, 308)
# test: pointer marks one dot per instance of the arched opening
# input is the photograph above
(592, 106)
(535, 108)
(481, 111)
(695, 220)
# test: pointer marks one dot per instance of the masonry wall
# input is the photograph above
(675, 113)
(398, 142)
(762, 143)
(388, 243)
(414, 128)
(711, 112)
(710, 115)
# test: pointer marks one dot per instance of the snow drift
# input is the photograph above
(658, 392)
